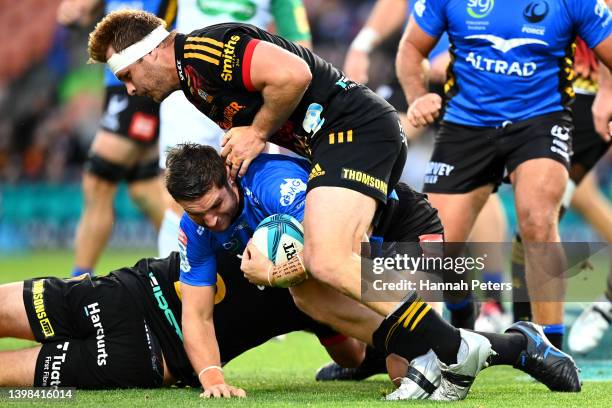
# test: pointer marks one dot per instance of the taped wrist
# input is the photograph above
(288, 274)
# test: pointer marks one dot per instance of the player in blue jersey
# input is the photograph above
(124, 148)
(506, 113)
(221, 215)
(259, 85)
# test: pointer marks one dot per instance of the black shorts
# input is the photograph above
(92, 335)
(365, 156)
(589, 147)
(412, 220)
(468, 157)
(133, 117)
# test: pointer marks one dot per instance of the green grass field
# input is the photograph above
(281, 373)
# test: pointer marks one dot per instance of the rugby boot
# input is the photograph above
(421, 380)
(544, 362)
(472, 357)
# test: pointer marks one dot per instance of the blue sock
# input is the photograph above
(76, 271)
(555, 333)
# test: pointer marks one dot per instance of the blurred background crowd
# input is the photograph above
(51, 101)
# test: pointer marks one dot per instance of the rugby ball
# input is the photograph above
(280, 237)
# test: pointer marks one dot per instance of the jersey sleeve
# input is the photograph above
(291, 20)
(281, 187)
(222, 57)
(592, 19)
(198, 262)
(430, 15)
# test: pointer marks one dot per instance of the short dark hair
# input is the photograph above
(192, 170)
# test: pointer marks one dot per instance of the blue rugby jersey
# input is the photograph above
(273, 184)
(511, 60)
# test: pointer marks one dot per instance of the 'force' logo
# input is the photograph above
(38, 289)
(536, 11)
(93, 312)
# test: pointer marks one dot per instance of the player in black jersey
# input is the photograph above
(260, 87)
(124, 330)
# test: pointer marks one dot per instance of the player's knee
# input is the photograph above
(537, 225)
(97, 192)
(306, 305)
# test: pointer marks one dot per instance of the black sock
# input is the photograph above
(521, 308)
(463, 314)
(413, 328)
(554, 333)
(508, 347)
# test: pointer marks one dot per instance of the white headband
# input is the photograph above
(136, 51)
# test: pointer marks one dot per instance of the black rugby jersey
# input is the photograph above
(213, 66)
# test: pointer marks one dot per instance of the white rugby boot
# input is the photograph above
(421, 380)
(472, 357)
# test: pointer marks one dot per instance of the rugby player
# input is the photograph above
(387, 18)
(124, 148)
(246, 76)
(506, 112)
(180, 120)
(124, 329)
(221, 215)
(582, 192)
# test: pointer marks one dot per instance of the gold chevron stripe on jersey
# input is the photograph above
(205, 48)
(207, 40)
(208, 53)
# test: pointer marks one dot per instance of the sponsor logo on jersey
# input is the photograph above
(316, 172)
(38, 300)
(345, 83)
(537, 30)
(182, 244)
(290, 189)
(479, 8)
(229, 58)
(501, 66)
(436, 170)
(419, 7)
(228, 115)
(163, 305)
(536, 11)
(365, 179)
(312, 119)
(52, 367)
(92, 311)
(195, 83)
